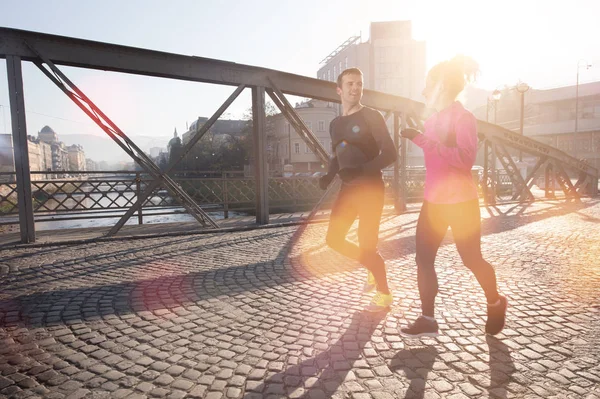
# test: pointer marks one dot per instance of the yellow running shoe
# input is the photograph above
(370, 284)
(380, 302)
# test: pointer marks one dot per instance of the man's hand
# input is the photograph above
(325, 181)
(410, 133)
(349, 174)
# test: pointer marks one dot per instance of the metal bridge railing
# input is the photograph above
(108, 194)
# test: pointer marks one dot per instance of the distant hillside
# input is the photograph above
(100, 148)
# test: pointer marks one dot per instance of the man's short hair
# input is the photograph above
(349, 71)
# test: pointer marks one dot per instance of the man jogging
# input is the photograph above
(362, 147)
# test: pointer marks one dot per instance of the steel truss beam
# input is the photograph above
(513, 172)
(59, 50)
(298, 124)
(116, 58)
(533, 147)
(307, 135)
(259, 124)
(489, 173)
(564, 181)
(200, 132)
(530, 179)
(19, 135)
(115, 133)
(549, 181)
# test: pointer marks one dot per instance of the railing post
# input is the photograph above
(225, 196)
(260, 162)
(138, 192)
(484, 187)
(21, 153)
(549, 182)
(490, 174)
(402, 165)
(294, 194)
(395, 185)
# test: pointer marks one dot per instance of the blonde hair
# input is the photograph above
(455, 74)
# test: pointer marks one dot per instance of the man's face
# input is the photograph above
(352, 89)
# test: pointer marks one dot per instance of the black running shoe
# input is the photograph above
(496, 316)
(422, 327)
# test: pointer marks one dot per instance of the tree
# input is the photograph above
(270, 111)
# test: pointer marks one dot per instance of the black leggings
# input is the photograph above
(464, 220)
(365, 201)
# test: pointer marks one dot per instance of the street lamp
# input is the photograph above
(496, 97)
(496, 94)
(522, 87)
(289, 143)
(587, 66)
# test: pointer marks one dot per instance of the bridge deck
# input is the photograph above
(274, 312)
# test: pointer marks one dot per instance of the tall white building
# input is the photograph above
(391, 60)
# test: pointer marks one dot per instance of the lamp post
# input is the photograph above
(496, 97)
(496, 94)
(587, 66)
(290, 143)
(522, 88)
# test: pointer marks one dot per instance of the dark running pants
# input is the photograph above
(465, 221)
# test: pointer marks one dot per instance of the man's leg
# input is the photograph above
(343, 214)
(370, 200)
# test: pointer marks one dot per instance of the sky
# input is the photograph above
(538, 42)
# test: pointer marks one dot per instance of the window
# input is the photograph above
(346, 63)
(297, 148)
(309, 125)
(321, 126)
(341, 67)
(306, 149)
(381, 54)
(329, 74)
(564, 114)
(334, 72)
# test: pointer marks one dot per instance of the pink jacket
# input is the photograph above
(449, 143)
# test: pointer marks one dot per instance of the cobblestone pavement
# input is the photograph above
(274, 313)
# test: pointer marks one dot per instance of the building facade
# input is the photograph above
(220, 131)
(286, 147)
(91, 165)
(77, 160)
(40, 158)
(550, 117)
(391, 61)
(60, 153)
